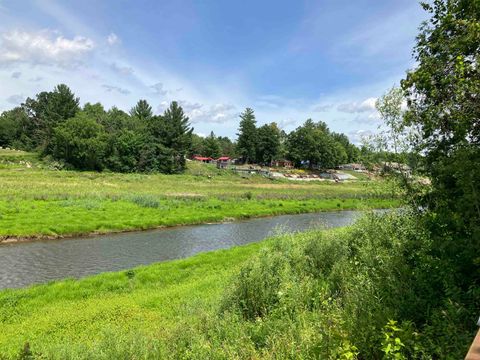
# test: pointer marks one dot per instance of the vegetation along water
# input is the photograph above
(400, 285)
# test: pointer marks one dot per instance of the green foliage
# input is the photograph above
(211, 146)
(313, 295)
(81, 142)
(392, 345)
(173, 132)
(442, 93)
(142, 110)
(47, 111)
(313, 144)
(268, 143)
(247, 136)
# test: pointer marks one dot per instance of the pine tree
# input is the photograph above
(142, 110)
(212, 146)
(247, 136)
(175, 133)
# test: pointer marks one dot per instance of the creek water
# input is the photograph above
(27, 263)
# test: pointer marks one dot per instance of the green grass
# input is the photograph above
(37, 201)
(150, 302)
(356, 292)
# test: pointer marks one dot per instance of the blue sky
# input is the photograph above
(289, 60)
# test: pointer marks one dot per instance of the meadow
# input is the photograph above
(357, 292)
(37, 200)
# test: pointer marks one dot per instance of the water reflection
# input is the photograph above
(36, 262)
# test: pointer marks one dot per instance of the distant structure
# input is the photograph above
(203, 159)
(352, 167)
(287, 164)
(223, 162)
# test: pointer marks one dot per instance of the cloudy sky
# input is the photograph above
(289, 60)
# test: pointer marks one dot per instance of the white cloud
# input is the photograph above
(123, 70)
(367, 105)
(199, 113)
(43, 47)
(113, 39)
(16, 74)
(110, 88)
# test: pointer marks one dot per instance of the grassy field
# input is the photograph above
(351, 293)
(149, 300)
(39, 201)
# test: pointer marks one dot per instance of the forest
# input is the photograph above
(92, 138)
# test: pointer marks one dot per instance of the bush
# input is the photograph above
(369, 288)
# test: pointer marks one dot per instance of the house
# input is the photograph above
(287, 164)
(203, 159)
(223, 162)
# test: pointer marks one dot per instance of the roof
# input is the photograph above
(223, 158)
(201, 158)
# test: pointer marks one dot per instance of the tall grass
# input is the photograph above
(41, 202)
(369, 291)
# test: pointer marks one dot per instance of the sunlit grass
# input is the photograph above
(38, 201)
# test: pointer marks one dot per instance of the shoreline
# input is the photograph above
(11, 240)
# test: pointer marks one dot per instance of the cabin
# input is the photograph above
(203, 159)
(287, 164)
(223, 162)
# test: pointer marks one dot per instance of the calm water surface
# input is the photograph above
(23, 264)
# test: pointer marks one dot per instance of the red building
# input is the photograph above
(203, 159)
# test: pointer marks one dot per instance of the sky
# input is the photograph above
(327, 60)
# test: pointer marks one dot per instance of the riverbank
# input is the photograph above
(41, 203)
(148, 300)
(44, 261)
(337, 294)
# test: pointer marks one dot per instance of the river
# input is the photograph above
(27, 263)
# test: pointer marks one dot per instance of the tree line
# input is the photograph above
(92, 138)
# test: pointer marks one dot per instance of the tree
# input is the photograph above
(351, 151)
(142, 110)
(268, 143)
(311, 143)
(211, 146)
(10, 126)
(80, 142)
(48, 110)
(197, 146)
(247, 136)
(173, 131)
(227, 147)
(95, 111)
(443, 102)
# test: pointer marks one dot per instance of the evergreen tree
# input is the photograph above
(227, 147)
(212, 146)
(247, 136)
(48, 110)
(173, 131)
(142, 110)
